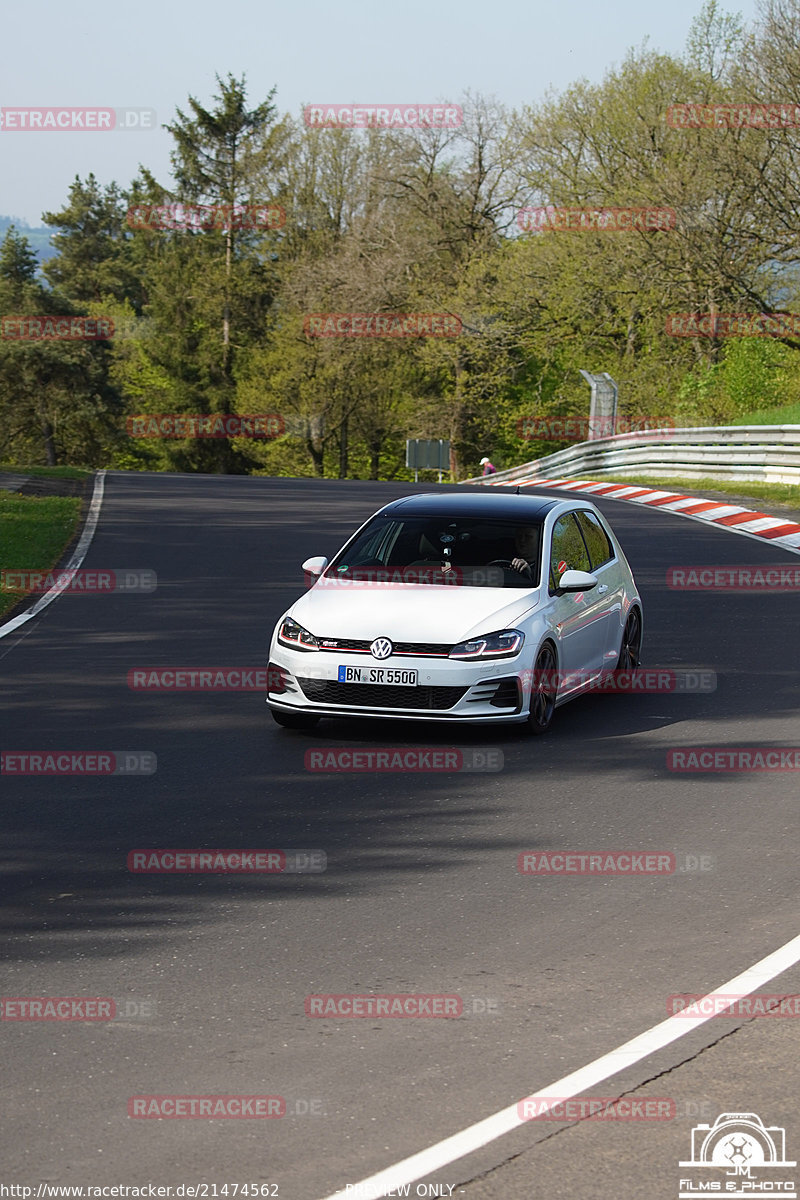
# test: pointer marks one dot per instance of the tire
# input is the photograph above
(543, 694)
(630, 651)
(289, 720)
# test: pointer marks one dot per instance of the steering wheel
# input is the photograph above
(507, 563)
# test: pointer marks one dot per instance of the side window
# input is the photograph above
(596, 538)
(567, 548)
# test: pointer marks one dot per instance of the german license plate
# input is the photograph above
(380, 675)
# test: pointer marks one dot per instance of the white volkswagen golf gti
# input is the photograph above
(460, 607)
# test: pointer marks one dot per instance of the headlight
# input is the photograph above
(504, 644)
(292, 634)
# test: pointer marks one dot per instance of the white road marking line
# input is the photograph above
(724, 510)
(759, 523)
(626, 491)
(475, 1136)
(592, 487)
(677, 505)
(83, 545)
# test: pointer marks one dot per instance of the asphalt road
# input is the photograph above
(421, 891)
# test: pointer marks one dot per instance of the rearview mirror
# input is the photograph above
(576, 581)
(315, 566)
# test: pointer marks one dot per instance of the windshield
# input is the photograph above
(467, 552)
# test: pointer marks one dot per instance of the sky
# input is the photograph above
(151, 55)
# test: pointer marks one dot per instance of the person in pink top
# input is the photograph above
(488, 469)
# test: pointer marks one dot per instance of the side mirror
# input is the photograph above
(315, 566)
(576, 581)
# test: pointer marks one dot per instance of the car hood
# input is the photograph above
(410, 612)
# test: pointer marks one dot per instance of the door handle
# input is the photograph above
(603, 588)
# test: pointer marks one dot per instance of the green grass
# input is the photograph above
(788, 415)
(55, 472)
(34, 531)
(778, 493)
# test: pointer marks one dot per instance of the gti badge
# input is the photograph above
(381, 648)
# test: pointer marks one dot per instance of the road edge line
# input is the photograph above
(84, 542)
(474, 1137)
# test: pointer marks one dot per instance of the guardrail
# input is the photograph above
(748, 453)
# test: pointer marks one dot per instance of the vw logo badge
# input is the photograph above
(381, 648)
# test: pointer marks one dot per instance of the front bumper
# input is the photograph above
(448, 690)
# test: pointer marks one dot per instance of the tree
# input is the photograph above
(94, 243)
(55, 401)
(208, 291)
(18, 265)
(222, 157)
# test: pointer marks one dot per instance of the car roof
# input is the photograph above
(503, 506)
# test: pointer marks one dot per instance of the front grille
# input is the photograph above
(424, 648)
(421, 649)
(375, 695)
(343, 644)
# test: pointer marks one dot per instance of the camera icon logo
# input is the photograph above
(738, 1144)
(739, 1140)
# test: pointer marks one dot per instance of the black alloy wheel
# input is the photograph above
(543, 690)
(630, 653)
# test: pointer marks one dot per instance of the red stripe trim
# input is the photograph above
(779, 531)
(690, 510)
(703, 506)
(638, 492)
(668, 499)
(740, 518)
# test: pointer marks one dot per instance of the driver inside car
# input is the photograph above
(526, 544)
